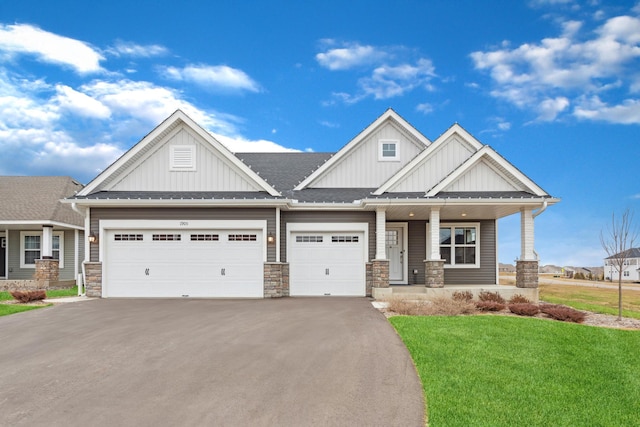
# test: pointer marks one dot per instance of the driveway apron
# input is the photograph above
(149, 362)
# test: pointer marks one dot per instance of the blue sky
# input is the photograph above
(552, 85)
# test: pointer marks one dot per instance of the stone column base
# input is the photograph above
(380, 273)
(527, 274)
(276, 280)
(47, 272)
(93, 279)
(434, 273)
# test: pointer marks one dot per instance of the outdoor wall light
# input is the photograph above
(93, 238)
(411, 214)
(271, 239)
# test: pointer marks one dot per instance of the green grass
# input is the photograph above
(597, 300)
(57, 293)
(506, 371)
(6, 309)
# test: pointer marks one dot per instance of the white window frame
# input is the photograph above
(382, 157)
(60, 250)
(173, 166)
(453, 226)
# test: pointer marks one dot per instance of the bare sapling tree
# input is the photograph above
(617, 241)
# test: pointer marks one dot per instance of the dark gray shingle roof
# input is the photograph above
(284, 170)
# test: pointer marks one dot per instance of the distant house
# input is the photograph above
(631, 271)
(35, 228)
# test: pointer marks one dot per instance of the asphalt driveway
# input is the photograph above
(149, 362)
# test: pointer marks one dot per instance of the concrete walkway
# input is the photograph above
(187, 362)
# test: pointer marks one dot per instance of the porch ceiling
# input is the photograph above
(452, 212)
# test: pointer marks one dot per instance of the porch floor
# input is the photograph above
(424, 292)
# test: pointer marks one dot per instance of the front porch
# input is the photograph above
(425, 292)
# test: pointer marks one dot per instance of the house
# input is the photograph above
(41, 239)
(631, 270)
(180, 215)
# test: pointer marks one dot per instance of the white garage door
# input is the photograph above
(177, 263)
(325, 263)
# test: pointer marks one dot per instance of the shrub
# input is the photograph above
(28, 296)
(403, 306)
(462, 296)
(562, 313)
(490, 306)
(443, 306)
(524, 309)
(491, 296)
(519, 299)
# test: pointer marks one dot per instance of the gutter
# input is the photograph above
(542, 209)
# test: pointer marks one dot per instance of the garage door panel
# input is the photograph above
(176, 263)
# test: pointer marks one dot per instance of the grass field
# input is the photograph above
(597, 300)
(56, 293)
(6, 309)
(505, 371)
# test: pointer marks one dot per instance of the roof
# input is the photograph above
(284, 170)
(629, 253)
(37, 199)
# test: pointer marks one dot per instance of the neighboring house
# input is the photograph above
(35, 225)
(181, 215)
(631, 270)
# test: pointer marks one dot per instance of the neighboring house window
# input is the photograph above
(460, 245)
(182, 158)
(388, 150)
(626, 274)
(31, 248)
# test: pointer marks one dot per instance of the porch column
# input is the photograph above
(46, 246)
(380, 265)
(527, 265)
(434, 266)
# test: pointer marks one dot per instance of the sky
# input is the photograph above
(552, 85)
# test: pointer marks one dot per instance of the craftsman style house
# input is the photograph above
(180, 215)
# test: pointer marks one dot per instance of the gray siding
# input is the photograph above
(80, 254)
(15, 272)
(330, 217)
(486, 274)
(417, 251)
(268, 214)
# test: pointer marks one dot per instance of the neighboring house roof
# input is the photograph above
(629, 253)
(36, 199)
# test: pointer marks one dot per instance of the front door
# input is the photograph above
(3, 256)
(395, 253)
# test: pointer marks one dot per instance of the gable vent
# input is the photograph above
(183, 158)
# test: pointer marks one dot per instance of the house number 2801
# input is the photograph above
(184, 223)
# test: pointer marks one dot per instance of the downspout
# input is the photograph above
(81, 286)
(534, 215)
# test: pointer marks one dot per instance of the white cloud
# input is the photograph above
(550, 75)
(214, 77)
(425, 108)
(122, 48)
(23, 39)
(80, 104)
(348, 56)
(627, 112)
(239, 144)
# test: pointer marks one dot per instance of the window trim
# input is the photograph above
(382, 157)
(60, 250)
(452, 226)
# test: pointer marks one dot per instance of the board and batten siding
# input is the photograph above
(417, 249)
(439, 164)
(360, 167)
(213, 172)
(210, 214)
(327, 217)
(486, 274)
(482, 177)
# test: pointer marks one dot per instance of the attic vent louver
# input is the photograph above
(182, 158)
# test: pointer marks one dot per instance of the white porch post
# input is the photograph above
(47, 242)
(527, 252)
(277, 236)
(434, 234)
(381, 234)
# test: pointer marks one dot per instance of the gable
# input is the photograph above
(178, 156)
(440, 161)
(484, 177)
(362, 164)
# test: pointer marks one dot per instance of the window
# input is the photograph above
(626, 274)
(205, 237)
(127, 237)
(242, 237)
(459, 245)
(31, 248)
(167, 237)
(388, 150)
(308, 239)
(182, 158)
(344, 239)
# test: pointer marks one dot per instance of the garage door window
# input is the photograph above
(167, 237)
(308, 239)
(344, 239)
(205, 237)
(127, 237)
(242, 237)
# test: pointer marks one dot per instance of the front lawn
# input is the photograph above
(56, 293)
(6, 309)
(597, 300)
(504, 371)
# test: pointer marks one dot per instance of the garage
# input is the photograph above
(327, 263)
(183, 263)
